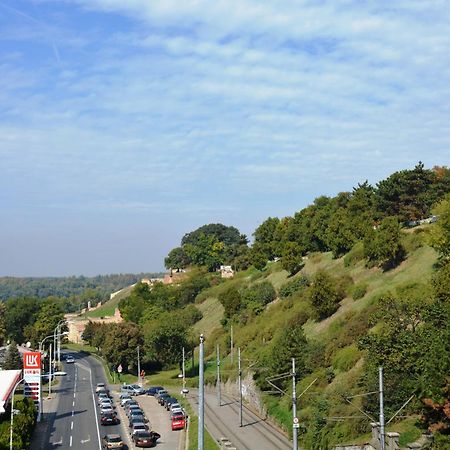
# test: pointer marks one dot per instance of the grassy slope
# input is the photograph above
(108, 308)
(346, 362)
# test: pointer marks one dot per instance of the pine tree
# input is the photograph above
(12, 358)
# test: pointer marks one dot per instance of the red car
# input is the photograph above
(178, 421)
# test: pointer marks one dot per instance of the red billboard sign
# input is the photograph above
(31, 360)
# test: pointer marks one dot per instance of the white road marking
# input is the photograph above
(95, 406)
(71, 425)
(70, 441)
(83, 441)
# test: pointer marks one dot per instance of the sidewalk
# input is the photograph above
(42, 431)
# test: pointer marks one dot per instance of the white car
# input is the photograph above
(105, 409)
(70, 359)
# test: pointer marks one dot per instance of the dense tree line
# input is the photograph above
(101, 285)
(373, 215)
(29, 319)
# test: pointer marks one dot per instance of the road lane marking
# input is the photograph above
(71, 425)
(95, 406)
(70, 441)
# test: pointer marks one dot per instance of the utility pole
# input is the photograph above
(219, 400)
(294, 410)
(201, 397)
(231, 344)
(382, 437)
(139, 367)
(240, 386)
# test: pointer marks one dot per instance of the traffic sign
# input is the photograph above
(119, 368)
(295, 423)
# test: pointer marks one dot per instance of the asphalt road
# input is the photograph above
(71, 417)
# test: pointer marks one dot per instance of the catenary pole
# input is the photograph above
(382, 437)
(183, 371)
(139, 366)
(231, 344)
(294, 409)
(240, 386)
(219, 399)
(201, 398)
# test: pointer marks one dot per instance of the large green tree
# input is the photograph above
(12, 358)
(20, 313)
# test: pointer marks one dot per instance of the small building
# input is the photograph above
(226, 272)
(8, 380)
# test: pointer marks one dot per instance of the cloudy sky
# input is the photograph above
(126, 123)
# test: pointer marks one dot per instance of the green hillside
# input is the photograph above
(108, 308)
(341, 367)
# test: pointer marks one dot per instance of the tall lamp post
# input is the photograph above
(12, 415)
(41, 344)
(57, 342)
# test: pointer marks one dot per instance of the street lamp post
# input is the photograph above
(41, 344)
(12, 415)
(57, 341)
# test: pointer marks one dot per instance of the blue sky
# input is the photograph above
(126, 123)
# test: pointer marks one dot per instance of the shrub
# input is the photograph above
(346, 358)
(359, 291)
(293, 286)
(354, 255)
(324, 295)
(260, 293)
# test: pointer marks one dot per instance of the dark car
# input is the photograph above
(162, 397)
(139, 418)
(112, 441)
(135, 427)
(138, 415)
(109, 419)
(145, 438)
(154, 389)
(169, 401)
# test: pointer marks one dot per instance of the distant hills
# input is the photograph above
(103, 285)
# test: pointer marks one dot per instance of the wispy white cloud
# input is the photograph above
(198, 106)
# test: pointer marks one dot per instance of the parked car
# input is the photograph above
(126, 403)
(145, 438)
(138, 415)
(138, 389)
(103, 396)
(175, 407)
(138, 427)
(178, 421)
(160, 392)
(132, 389)
(109, 419)
(162, 397)
(134, 409)
(154, 389)
(104, 409)
(112, 441)
(169, 401)
(100, 387)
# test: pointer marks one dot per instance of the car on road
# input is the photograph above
(178, 421)
(112, 441)
(138, 389)
(103, 396)
(154, 389)
(70, 359)
(145, 438)
(109, 419)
